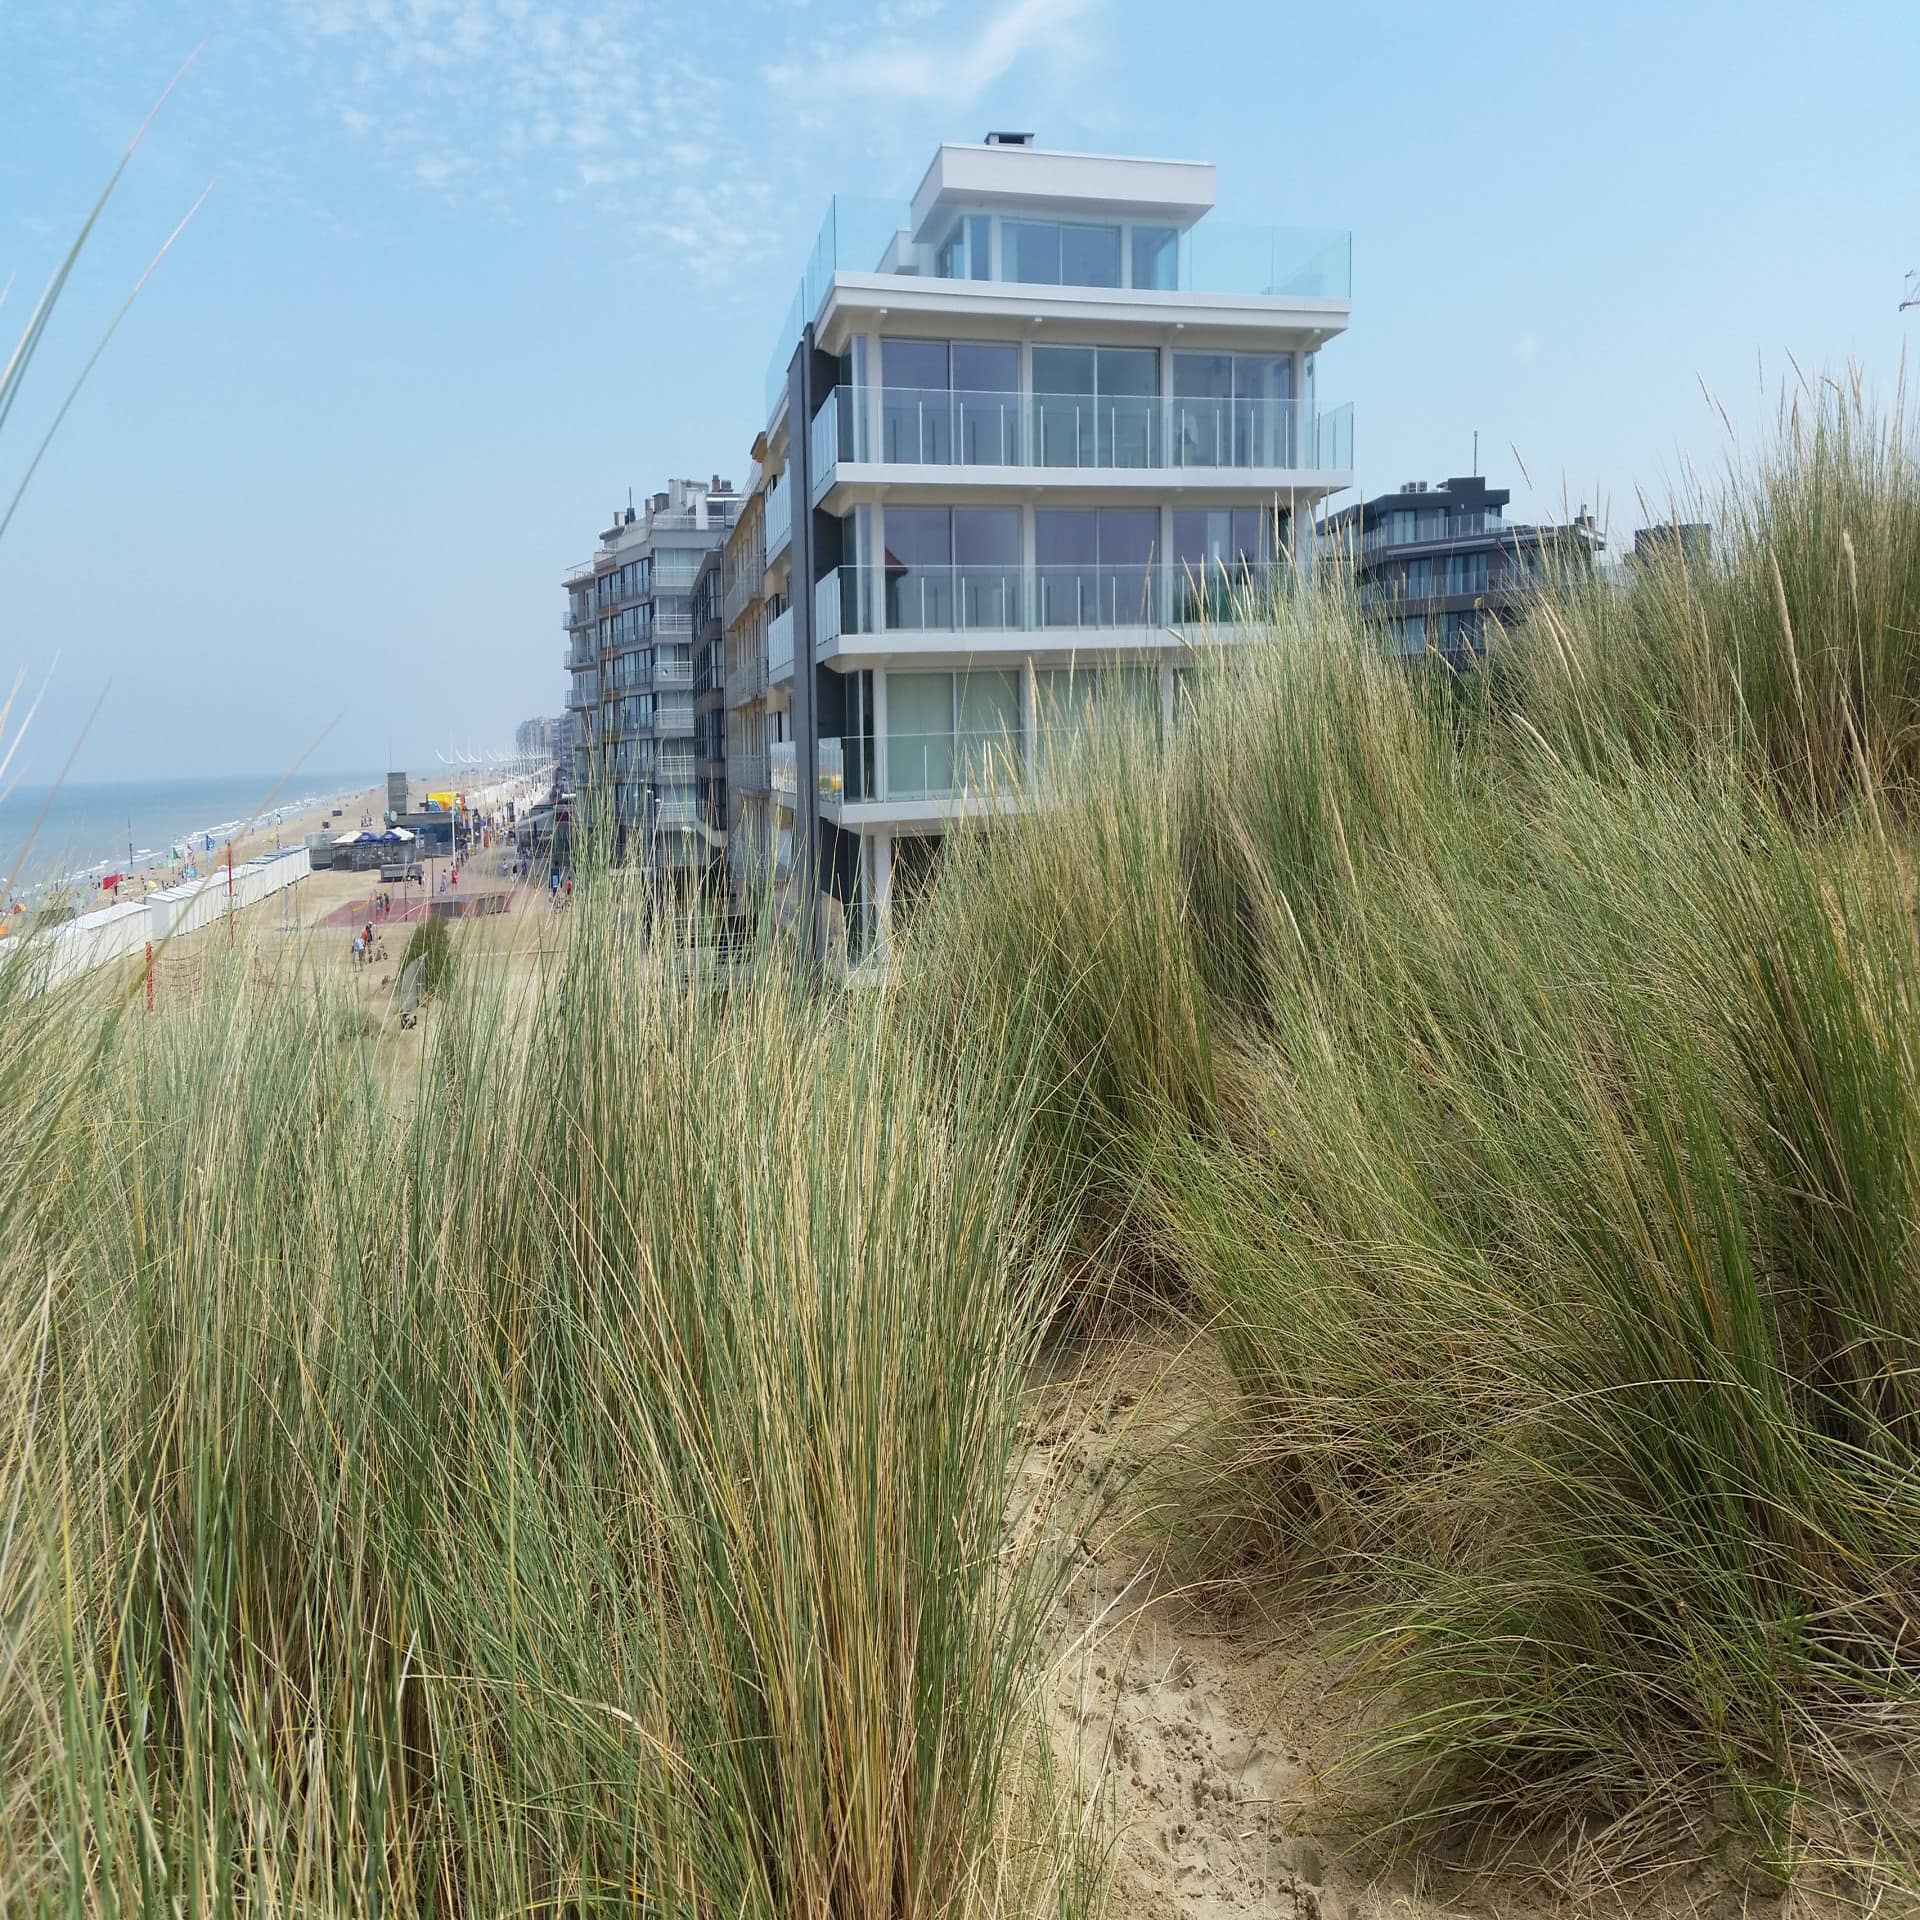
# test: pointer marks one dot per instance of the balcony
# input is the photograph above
(1005, 599)
(871, 236)
(779, 521)
(1075, 433)
(748, 681)
(783, 766)
(747, 772)
(583, 692)
(673, 673)
(673, 720)
(780, 647)
(1424, 529)
(746, 586)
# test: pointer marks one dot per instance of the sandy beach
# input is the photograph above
(365, 806)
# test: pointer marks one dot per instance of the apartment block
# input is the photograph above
(1437, 566)
(1031, 437)
(630, 664)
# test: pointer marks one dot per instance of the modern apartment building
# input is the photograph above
(745, 609)
(1435, 565)
(630, 662)
(1030, 437)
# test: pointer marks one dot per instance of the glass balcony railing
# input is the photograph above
(938, 766)
(936, 427)
(779, 521)
(1214, 256)
(1313, 263)
(870, 600)
(780, 645)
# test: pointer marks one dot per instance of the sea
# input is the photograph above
(69, 836)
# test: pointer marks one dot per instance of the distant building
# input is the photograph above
(1691, 539)
(629, 658)
(1434, 565)
(540, 739)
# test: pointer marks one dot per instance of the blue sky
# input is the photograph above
(472, 268)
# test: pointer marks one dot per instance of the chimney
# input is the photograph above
(998, 139)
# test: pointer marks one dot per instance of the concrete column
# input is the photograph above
(1029, 580)
(1029, 430)
(878, 845)
(871, 399)
(880, 733)
(1029, 704)
(1166, 697)
(1166, 403)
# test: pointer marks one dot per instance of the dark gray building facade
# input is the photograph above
(1437, 566)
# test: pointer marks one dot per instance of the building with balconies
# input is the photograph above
(1030, 437)
(1436, 568)
(630, 660)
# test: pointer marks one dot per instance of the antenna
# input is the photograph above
(1476, 453)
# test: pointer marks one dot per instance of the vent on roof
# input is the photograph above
(1009, 139)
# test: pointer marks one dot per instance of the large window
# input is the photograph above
(952, 568)
(1067, 700)
(1096, 406)
(948, 733)
(1058, 253)
(950, 401)
(1219, 553)
(964, 254)
(1466, 573)
(1234, 410)
(1095, 566)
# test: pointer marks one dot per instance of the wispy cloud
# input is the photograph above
(519, 104)
(909, 69)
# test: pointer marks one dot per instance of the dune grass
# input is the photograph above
(1517, 1074)
(582, 1486)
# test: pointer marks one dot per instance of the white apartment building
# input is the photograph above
(1029, 440)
